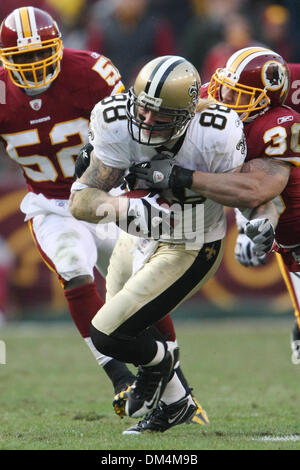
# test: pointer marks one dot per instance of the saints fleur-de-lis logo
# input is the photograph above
(194, 92)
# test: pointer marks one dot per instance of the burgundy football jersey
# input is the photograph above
(293, 98)
(276, 134)
(44, 133)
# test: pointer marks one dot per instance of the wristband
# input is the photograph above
(181, 178)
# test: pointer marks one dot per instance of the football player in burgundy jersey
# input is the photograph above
(47, 95)
(275, 133)
(293, 97)
(256, 82)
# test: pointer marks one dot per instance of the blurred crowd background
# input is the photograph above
(206, 32)
(130, 33)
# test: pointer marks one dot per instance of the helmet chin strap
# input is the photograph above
(154, 140)
(36, 91)
(251, 117)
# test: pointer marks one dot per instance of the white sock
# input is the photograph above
(160, 354)
(100, 358)
(174, 391)
(171, 346)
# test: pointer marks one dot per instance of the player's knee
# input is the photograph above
(113, 345)
(102, 342)
(71, 261)
(78, 281)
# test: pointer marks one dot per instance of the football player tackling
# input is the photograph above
(50, 92)
(161, 114)
(255, 83)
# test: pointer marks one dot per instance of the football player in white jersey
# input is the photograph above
(161, 114)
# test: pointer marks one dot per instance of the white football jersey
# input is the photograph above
(214, 142)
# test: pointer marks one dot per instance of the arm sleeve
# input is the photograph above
(227, 146)
(108, 149)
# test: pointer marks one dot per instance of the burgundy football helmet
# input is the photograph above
(31, 47)
(258, 78)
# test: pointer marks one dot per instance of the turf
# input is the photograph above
(54, 396)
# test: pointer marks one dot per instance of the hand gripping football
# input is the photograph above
(148, 215)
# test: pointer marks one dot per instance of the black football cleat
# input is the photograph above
(165, 416)
(146, 390)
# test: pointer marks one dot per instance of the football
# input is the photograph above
(138, 193)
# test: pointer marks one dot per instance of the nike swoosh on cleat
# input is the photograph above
(179, 415)
(147, 405)
(150, 404)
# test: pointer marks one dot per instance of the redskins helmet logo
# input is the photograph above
(273, 75)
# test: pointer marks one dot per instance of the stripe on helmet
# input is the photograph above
(159, 75)
(32, 21)
(153, 74)
(240, 59)
(25, 22)
(18, 24)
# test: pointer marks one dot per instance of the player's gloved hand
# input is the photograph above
(147, 218)
(83, 160)
(162, 173)
(261, 232)
(245, 254)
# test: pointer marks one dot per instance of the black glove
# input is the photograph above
(162, 173)
(83, 160)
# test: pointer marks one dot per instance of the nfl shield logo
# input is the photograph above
(36, 104)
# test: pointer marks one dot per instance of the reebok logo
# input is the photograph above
(283, 119)
(157, 176)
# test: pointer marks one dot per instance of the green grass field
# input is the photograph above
(54, 396)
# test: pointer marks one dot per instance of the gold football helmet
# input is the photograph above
(169, 86)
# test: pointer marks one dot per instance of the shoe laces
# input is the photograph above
(156, 413)
(161, 413)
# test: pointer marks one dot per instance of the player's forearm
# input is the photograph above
(253, 184)
(230, 189)
(96, 206)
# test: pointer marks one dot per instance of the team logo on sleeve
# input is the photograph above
(241, 145)
(273, 75)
